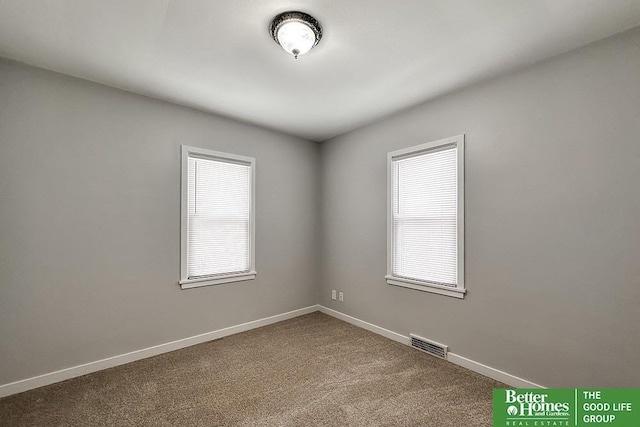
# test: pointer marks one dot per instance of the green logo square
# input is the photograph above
(566, 407)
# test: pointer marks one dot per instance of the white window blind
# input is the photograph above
(424, 187)
(218, 217)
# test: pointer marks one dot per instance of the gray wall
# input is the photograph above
(90, 229)
(89, 221)
(552, 220)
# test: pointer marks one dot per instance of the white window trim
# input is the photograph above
(185, 282)
(458, 291)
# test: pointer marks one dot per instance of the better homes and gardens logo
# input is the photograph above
(566, 407)
(523, 406)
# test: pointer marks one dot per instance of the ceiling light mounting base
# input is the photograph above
(297, 32)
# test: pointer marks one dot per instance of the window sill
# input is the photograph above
(209, 281)
(426, 287)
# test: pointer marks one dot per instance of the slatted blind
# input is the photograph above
(424, 210)
(218, 228)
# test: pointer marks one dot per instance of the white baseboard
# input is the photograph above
(490, 372)
(365, 325)
(110, 362)
(478, 367)
(87, 368)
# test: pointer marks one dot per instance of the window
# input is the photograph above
(425, 225)
(218, 218)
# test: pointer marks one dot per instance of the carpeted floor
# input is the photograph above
(313, 370)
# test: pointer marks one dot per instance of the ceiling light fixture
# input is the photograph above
(296, 32)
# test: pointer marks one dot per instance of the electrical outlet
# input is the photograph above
(333, 294)
(341, 296)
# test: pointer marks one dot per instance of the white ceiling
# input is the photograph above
(376, 57)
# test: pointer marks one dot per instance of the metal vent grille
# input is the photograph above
(428, 346)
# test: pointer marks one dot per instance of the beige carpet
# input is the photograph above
(313, 370)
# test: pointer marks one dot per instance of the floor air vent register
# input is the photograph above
(428, 346)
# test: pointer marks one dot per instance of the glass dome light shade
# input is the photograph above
(295, 37)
